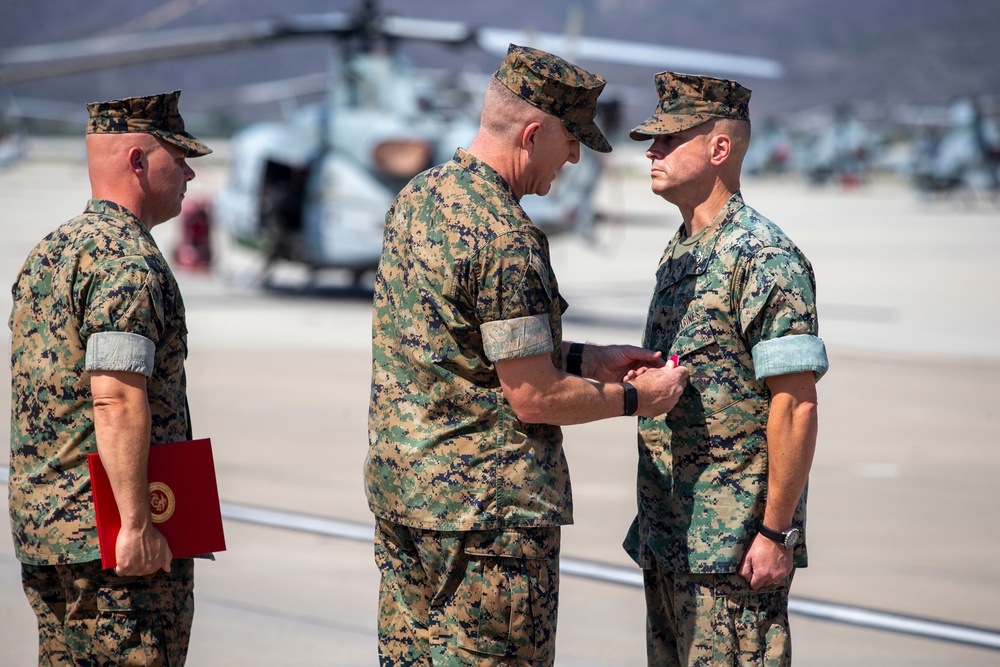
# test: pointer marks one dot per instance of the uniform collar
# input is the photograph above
(696, 262)
(110, 209)
(474, 165)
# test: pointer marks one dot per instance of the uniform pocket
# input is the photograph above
(712, 386)
(128, 633)
(751, 628)
(512, 593)
(145, 620)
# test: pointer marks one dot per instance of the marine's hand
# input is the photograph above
(141, 552)
(659, 389)
(766, 562)
(633, 373)
(613, 363)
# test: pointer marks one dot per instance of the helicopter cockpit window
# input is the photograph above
(402, 158)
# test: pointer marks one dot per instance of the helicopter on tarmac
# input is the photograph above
(314, 189)
(12, 133)
(841, 150)
(958, 154)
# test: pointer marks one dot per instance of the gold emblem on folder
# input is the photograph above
(161, 501)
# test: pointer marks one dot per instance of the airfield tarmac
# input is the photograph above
(903, 511)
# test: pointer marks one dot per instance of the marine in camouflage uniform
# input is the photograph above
(735, 301)
(96, 295)
(469, 497)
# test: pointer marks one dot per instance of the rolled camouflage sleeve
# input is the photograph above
(120, 351)
(515, 292)
(520, 337)
(790, 354)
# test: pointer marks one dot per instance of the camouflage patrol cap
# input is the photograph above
(557, 87)
(687, 100)
(153, 114)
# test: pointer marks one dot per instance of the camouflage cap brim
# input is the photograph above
(189, 143)
(590, 136)
(667, 124)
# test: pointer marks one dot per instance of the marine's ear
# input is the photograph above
(721, 147)
(136, 159)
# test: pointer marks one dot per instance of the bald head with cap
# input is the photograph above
(537, 111)
(137, 150)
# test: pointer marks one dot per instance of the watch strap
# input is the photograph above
(775, 535)
(631, 399)
(574, 359)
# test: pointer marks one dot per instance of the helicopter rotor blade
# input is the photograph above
(447, 32)
(496, 40)
(27, 63)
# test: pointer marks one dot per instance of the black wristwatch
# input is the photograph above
(787, 539)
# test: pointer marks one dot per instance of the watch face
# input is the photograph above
(792, 538)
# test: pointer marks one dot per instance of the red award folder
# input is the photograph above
(183, 496)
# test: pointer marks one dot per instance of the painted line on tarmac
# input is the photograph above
(880, 620)
(827, 611)
(300, 522)
(614, 574)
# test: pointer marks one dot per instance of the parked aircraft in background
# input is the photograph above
(12, 133)
(960, 155)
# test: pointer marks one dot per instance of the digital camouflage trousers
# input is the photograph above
(704, 620)
(89, 617)
(457, 599)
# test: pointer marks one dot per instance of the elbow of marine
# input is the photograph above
(529, 416)
(528, 411)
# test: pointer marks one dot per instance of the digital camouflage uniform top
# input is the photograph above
(95, 294)
(738, 308)
(463, 274)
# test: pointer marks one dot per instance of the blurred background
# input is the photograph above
(873, 83)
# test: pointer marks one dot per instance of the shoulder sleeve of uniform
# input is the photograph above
(512, 278)
(122, 295)
(775, 293)
(515, 288)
